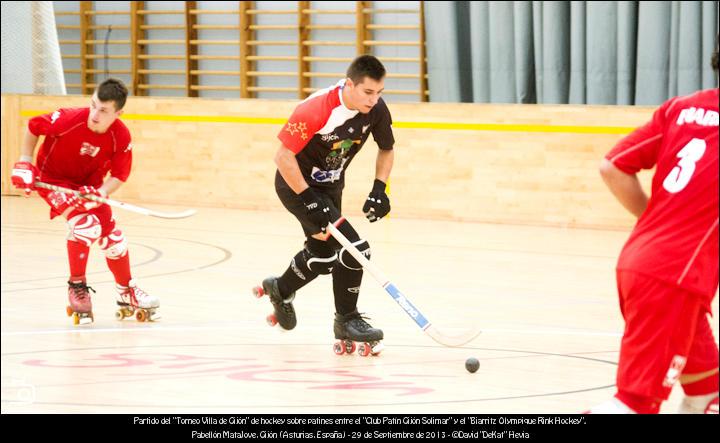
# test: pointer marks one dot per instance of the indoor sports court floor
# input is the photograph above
(544, 298)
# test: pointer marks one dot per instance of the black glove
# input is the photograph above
(318, 211)
(377, 204)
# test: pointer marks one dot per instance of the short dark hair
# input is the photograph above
(113, 90)
(714, 58)
(365, 66)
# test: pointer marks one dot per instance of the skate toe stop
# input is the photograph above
(377, 348)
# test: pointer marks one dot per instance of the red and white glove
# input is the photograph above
(24, 175)
(86, 204)
(61, 201)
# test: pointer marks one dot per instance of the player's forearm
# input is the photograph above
(28, 146)
(384, 164)
(111, 185)
(625, 187)
(290, 170)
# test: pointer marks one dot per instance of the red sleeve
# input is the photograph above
(639, 150)
(122, 159)
(55, 123)
(307, 119)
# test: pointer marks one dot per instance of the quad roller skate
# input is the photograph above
(134, 301)
(284, 312)
(79, 302)
(353, 332)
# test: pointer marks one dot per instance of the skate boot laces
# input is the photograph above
(135, 296)
(80, 290)
(143, 299)
(359, 323)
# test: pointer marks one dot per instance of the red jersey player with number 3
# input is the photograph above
(667, 273)
(81, 146)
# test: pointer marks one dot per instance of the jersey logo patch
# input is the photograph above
(329, 137)
(55, 115)
(339, 153)
(88, 149)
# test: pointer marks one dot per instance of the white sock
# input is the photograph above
(612, 406)
(696, 404)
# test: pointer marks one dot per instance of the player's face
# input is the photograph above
(102, 114)
(363, 96)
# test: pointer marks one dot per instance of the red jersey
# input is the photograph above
(676, 238)
(72, 154)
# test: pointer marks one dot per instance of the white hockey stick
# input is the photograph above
(399, 297)
(117, 204)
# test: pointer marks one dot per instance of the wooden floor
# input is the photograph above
(544, 297)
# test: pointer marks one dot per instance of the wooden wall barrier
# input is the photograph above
(530, 164)
(83, 40)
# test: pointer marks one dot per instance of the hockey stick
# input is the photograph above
(399, 297)
(117, 204)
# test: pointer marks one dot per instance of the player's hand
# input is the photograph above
(61, 201)
(24, 175)
(377, 204)
(317, 210)
(87, 204)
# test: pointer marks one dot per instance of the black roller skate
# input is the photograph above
(284, 312)
(351, 329)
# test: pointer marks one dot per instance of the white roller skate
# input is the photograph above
(133, 300)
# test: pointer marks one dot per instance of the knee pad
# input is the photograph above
(84, 228)
(319, 256)
(347, 260)
(114, 245)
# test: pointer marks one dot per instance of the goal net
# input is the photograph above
(31, 62)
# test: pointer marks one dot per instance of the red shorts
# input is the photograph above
(667, 333)
(102, 212)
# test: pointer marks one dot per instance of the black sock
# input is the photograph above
(346, 288)
(296, 275)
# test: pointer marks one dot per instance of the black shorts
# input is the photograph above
(294, 204)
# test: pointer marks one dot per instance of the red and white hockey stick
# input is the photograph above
(117, 204)
(399, 297)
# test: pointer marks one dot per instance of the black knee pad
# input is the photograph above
(319, 256)
(347, 260)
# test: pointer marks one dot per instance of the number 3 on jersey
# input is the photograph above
(681, 174)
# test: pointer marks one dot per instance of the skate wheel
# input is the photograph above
(119, 314)
(271, 320)
(364, 349)
(141, 315)
(339, 348)
(76, 318)
(258, 291)
(69, 311)
(350, 346)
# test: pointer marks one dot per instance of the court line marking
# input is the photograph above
(253, 326)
